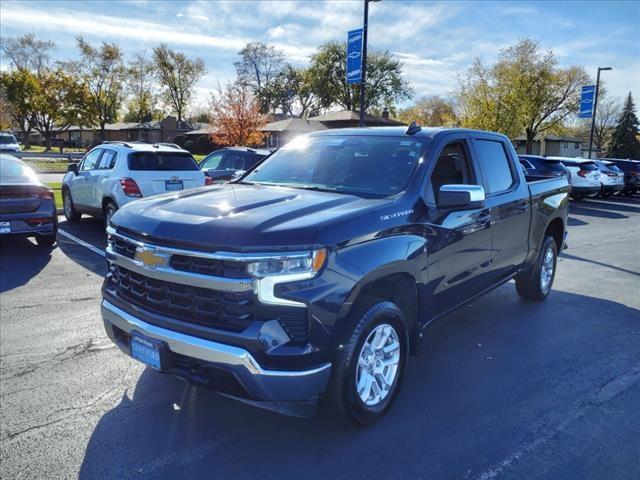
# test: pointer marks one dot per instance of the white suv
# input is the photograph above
(585, 176)
(116, 173)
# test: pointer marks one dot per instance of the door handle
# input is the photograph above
(522, 206)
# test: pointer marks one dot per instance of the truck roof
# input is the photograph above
(424, 132)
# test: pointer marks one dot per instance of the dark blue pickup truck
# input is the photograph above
(315, 274)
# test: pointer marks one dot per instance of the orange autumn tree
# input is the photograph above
(236, 118)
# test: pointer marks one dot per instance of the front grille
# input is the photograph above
(124, 248)
(228, 311)
(208, 266)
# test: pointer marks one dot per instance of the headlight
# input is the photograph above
(304, 263)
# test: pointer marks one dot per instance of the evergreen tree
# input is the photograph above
(624, 141)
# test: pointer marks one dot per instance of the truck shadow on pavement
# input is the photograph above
(587, 210)
(479, 385)
(20, 260)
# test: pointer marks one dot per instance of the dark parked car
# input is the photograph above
(318, 271)
(27, 207)
(631, 169)
(230, 162)
(543, 167)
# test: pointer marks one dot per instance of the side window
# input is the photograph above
(212, 161)
(91, 160)
(452, 167)
(108, 160)
(495, 165)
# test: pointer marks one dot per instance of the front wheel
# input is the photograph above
(368, 370)
(69, 210)
(109, 210)
(535, 283)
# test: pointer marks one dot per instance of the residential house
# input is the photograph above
(550, 145)
(283, 131)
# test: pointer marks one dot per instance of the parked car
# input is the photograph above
(317, 272)
(27, 207)
(116, 173)
(585, 176)
(611, 178)
(8, 143)
(631, 170)
(230, 162)
(544, 167)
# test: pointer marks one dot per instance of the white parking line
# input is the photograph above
(81, 242)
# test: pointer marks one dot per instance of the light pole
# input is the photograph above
(595, 107)
(364, 59)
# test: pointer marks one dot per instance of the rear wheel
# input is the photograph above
(535, 284)
(69, 210)
(367, 372)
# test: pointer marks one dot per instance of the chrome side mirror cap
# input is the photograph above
(461, 196)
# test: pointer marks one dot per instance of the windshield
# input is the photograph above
(362, 165)
(7, 139)
(162, 161)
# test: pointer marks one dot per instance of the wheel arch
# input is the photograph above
(556, 230)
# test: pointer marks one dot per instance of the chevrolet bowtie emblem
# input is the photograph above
(150, 258)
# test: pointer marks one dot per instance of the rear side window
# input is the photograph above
(495, 165)
(590, 166)
(555, 165)
(166, 161)
(108, 160)
(233, 161)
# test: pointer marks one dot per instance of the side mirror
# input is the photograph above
(461, 196)
(237, 174)
(73, 167)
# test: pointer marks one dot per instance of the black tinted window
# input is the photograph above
(451, 168)
(555, 165)
(590, 166)
(162, 161)
(233, 161)
(495, 165)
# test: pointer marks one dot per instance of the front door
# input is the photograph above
(81, 186)
(458, 241)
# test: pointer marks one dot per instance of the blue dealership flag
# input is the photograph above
(354, 56)
(586, 101)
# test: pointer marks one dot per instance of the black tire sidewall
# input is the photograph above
(547, 242)
(381, 313)
(72, 215)
(109, 206)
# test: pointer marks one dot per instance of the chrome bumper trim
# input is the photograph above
(168, 274)
(263, 384)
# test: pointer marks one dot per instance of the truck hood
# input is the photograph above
(239, 217)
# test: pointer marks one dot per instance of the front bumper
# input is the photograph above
(203, 361)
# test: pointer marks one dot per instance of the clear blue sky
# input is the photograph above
(436, 40)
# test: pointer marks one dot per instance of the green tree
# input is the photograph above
(178, 75)
(525, 91)
(328, 79)
(292, 93)
(624, 140)
(60, 101)
(102, 71)
(259, 67)
(432, 111)
(18, 89)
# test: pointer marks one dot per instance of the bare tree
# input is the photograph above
(609, 110)
(178, 75)
(258, 68)
(28, 53)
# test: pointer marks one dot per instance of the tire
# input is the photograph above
(70, 212)
(628, 193)
(109, 209)
(577, 196)
(535, 284)
(342, 395)
(46, 241)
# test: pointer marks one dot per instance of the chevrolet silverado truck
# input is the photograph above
(315, 274)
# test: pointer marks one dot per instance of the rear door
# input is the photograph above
(161, 172)
(508, 198)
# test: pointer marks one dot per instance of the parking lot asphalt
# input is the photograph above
(503, 388)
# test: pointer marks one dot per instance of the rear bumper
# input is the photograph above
(613, 188)
(28, 224)
(224, 368)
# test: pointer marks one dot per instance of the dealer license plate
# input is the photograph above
(5, 227)
(172, 185)
(145, 351)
